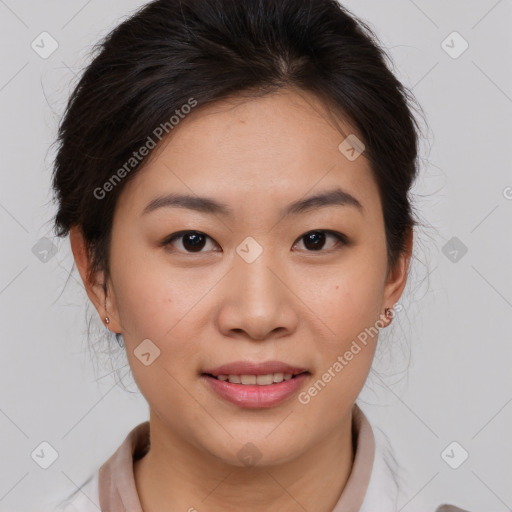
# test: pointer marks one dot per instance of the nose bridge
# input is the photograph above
(255, 298)
(259, 284)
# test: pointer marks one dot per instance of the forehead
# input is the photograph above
(267, 148)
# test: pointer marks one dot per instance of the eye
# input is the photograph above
(316, 240)
(196, 241)
(190, 241)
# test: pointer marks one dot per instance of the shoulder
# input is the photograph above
(84, 499)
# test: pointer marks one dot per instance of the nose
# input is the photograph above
(257, 301)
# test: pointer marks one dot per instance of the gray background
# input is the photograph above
(443, 373)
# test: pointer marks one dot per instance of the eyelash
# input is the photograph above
(340, 237)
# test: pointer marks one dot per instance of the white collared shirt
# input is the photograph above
(371, 487)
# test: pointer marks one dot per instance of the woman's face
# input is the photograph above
(261, 281)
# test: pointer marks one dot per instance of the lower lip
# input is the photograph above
(252, 396)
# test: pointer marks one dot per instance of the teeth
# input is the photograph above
(248, 379)
(264, 380)
(260, 380)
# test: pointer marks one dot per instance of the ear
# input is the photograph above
(397, 276)
(94, 283)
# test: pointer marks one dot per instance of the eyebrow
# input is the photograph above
(335, 197)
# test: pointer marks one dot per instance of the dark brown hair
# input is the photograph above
(171, 51)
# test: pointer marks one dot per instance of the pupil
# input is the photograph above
(315, 240)
(193, 241)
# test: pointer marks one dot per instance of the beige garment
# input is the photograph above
(117, 491)
(371, 486)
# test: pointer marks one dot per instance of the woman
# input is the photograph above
(234, 178)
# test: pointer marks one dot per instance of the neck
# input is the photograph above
(175, 475)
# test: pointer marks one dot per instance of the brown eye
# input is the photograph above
(317, 240)
(191, 241)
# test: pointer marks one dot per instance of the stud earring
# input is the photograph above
(389, 314)
(119, 337)
(107, 319)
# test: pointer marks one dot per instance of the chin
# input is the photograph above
(255, 451)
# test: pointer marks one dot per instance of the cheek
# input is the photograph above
(140, 302)
(157, 303)
(151, 309)
(346, 357)
(348, 303)
(150, 298)
(348, 300)
(341, 374)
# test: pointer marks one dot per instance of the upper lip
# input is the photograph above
(254, 368)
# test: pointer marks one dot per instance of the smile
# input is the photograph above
(256, 391)
(259, 380)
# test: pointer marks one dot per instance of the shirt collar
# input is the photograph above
(118, 493)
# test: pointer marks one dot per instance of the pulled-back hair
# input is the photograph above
(173, 53)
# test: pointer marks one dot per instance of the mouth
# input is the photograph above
(258, 380)
(255, 385)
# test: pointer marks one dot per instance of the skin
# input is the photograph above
(292, 304)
